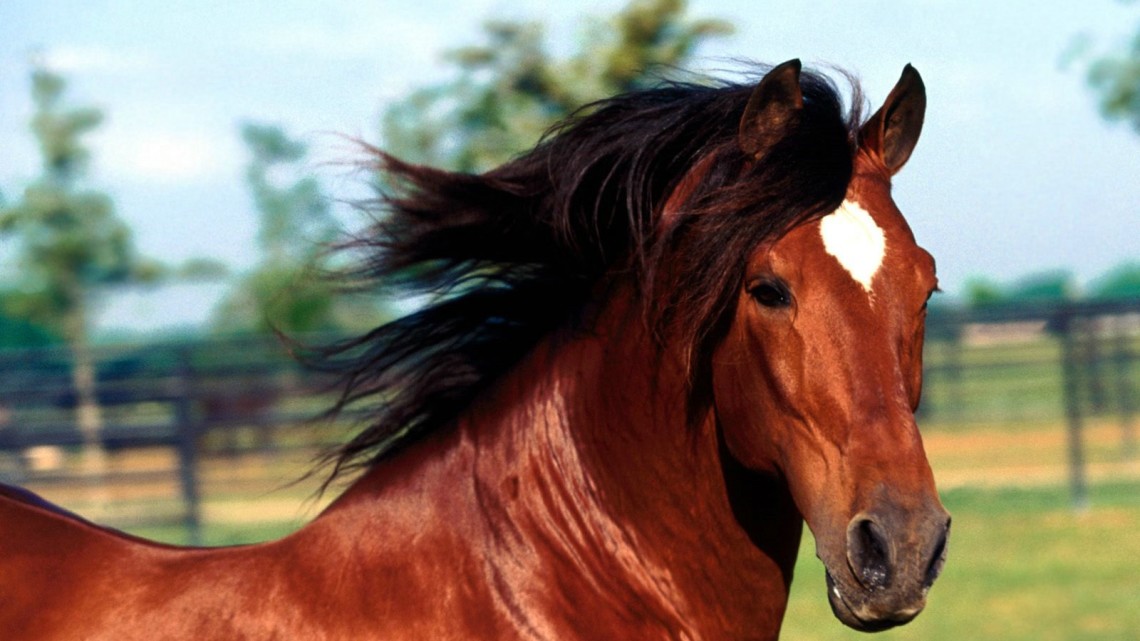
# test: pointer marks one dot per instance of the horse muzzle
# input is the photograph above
(892, 559)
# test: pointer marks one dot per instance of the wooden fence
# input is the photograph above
(1008, 364)
(1037, 362)
(190, 398)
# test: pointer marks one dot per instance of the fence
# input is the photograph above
(1038, 363)
(197, 405)
(176, 401)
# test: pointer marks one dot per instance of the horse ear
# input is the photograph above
(892, 132)
(775, 104)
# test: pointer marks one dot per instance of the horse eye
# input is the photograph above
(926, 303)
(771, 294)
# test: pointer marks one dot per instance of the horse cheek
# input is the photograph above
(744, 407)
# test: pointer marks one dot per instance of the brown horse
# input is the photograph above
(686, 322)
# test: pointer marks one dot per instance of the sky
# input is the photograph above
(1016, 172)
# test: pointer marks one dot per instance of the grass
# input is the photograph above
(1022, 566)
(216, 534)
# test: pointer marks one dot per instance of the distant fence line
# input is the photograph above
(220, 395)
(1067, 361)
(1005, 364)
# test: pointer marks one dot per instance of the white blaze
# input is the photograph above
(852, 237)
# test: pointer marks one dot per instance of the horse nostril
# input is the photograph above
(868, 552)
(938, 558)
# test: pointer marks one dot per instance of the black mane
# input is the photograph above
(507, 256)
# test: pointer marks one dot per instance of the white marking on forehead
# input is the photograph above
(852, 237)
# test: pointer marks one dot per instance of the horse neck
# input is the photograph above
(585, 447)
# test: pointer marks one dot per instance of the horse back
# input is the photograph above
(26, 518)
(50, 559)
(64, 578)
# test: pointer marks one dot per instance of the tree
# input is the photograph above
(1051, 286)
(1120, 283)
(983, 292)
(69, 242)
(20, 332)
(286, 290)
(509, 91)
(1054, 286)
(1115, 77)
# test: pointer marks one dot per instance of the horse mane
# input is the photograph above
(505, 257)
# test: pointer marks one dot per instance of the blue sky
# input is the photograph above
(1015, 173)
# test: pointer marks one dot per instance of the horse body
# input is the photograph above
(641, 472)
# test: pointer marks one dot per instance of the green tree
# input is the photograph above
(983, 292)
(284, 291)
(20, 332)
(1115, 77)
(1053, 286)
(69, 243)
(1119, 283)
(510, 90)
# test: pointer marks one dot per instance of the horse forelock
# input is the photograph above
(510, 255)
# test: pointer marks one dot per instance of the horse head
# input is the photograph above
(819, 373)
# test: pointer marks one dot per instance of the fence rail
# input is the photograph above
(189, 398)
(1037, 362)
(1028, 363)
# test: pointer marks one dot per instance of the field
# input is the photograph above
(1022, 566)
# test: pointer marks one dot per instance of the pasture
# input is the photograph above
(1022, 566)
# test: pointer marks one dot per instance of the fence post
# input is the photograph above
(1070, 372)
(1125, 392)
(1093, 368)
(187, 433)
(955, 394)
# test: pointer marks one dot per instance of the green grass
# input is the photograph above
(1022, 566)
(217, 534)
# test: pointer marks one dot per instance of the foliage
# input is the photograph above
(293, 220)
(287, 290)
(1046, 286)
(70, 245)
(290, 211)
(983, 292)
(201, 269)
(18, 332)
(510, 90)
(1052, 285)
(1115, 77)
(1121, 282)
(69, 239)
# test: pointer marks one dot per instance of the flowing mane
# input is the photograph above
(507, 256)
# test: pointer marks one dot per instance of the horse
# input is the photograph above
(686, 322)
